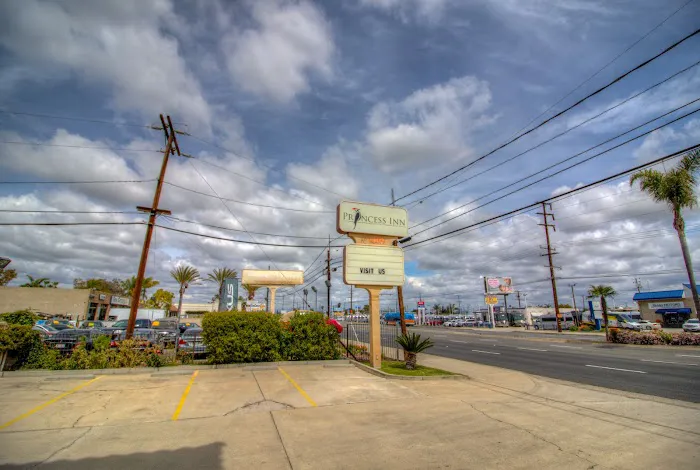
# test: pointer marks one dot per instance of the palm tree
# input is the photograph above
(219, 275)
(183, 275)
(129, 284)
(412, 345)
(437, 308)
(676, 188)
(603, 291)
(44, 282)
(250, 290)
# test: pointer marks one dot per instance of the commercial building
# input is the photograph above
(47, 302)
(670, 307)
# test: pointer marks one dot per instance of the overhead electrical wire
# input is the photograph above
(78, 182)
(245, 202)
(423, 198)
(587, 159)
(579, 102)
(66, 212)
(42, 144)
(67, 223)
(554, 198)
(70, 118)
(178, 219)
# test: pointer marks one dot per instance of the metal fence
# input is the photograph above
(355, 341)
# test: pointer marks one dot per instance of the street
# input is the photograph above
(661, 371)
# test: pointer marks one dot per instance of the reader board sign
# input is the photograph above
(372, 219)
(365, 265)
(265, 277)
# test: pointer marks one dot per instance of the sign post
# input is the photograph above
(373, 262)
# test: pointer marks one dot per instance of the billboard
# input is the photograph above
(228, 297)
(372, 219)
(265, 277)
(499, 285)
(365, 265)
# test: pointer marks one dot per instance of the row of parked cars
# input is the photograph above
(159, 333)
(460, 323)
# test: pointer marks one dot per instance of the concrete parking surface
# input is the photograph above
(336, 416)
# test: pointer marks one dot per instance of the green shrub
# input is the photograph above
(666, 337)
(18, 341)
(242, 337)
(308, 338)
(613, 334)
(573, 328)
(20, 317)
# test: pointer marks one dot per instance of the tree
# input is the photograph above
(219, 275)
(412, 345)
(7, 275)
(129, 284)
(161, 299)
(115, 286)
(603, 291)
(183, 275)
(437, 308)
(250, 290)
(676, 188)
(565, 306)
(40, 282)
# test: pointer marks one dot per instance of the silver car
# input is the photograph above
(192, 342)
(692, 325)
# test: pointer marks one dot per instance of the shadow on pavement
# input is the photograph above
(203, 457)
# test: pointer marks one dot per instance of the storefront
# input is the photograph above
(670, 308)
(101, 304)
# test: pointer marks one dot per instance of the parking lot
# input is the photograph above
(309, 416)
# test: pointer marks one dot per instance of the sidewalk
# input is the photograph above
(328, 416)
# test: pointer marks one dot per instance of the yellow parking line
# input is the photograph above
(299, 389)
(50, 402)
(184, 396)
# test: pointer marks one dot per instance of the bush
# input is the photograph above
(308, 338)
(20, 317)
(242, 337)
(573, 328)
(654, 337)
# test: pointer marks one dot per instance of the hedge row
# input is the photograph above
(235, 337)
(654, 337)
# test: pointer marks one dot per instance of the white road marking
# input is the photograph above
(487, 340)
(568, 347)
(615, 368)
(485, 352)
(533, 349)
(686, 355)
(457, 341)
(668, 362)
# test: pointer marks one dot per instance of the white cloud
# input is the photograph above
(428, 11)
(431, 125)
(291, 41)
(121, 44)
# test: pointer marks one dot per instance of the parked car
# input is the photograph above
(647, 325)
(167, 329)
(191, 341)
(187, 324)
(120, 326)
(45, 330)
(629, 325)
(145, 337)
(692, 325)
(66, 340)
(88, 324)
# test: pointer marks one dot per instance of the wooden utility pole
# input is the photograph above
(399, 290)
(549, 254)
(328, 278)
(170, 147)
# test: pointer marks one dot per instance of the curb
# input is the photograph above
(384, 375)
(165, 371)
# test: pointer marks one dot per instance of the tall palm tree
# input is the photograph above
(219, 275)
(40, 282)
(676, 188)
(250, 290)
(183, 275)
(603, 291)
(128, 286)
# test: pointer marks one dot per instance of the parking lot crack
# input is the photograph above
(536, 436)
(262, 405)
(101, 408)
(67, 446)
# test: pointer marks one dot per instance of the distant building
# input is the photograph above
(670, 307)
(47, 302)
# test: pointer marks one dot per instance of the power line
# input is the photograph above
(67, 212)
(244, 202)
(42, 144)
(67, 223)
(214, 237)
(78, 182)
(421, 199)
(563, 169)
(237, 230)
(70, 118)
(590, 95)
(554, 198)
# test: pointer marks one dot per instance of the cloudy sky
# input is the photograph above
(290, 106)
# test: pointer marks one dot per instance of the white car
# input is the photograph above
(647, 325)
(692, 325)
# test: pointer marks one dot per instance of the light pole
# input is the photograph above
(313, 288)
(573, 296)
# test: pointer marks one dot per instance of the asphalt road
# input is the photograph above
(664, 372)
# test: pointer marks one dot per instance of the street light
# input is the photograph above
(313, 288)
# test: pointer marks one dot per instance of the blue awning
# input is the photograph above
(664, 311)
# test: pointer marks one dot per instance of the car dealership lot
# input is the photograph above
(330, 416)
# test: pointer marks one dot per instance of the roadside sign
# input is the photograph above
(421, 303)
(265, 277)
(371, 219)
(491, 300)
(366, 265)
